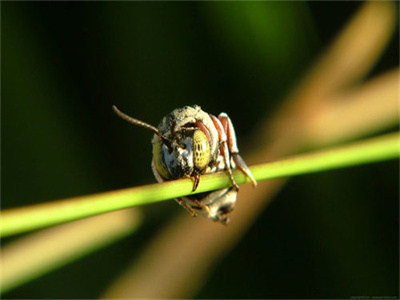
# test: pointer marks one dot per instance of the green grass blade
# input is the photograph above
(372, 150)
(28, 218)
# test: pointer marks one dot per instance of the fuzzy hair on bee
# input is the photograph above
(189, 142)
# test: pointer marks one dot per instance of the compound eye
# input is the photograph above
(201, 150)
(158, 158)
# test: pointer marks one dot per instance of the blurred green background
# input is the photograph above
(64, 64)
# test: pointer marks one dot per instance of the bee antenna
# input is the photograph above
(141, 124)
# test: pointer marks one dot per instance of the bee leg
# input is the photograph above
(224, 148)
(233, 148)
(243, 167)
(202, 205)
(187, 207)
(196, 180)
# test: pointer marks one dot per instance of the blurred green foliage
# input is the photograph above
(330, 235)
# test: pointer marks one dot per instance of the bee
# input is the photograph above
(189, 142)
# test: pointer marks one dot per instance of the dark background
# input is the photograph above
(327, 235)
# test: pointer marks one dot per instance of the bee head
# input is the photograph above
(176, 153)
(188, 153)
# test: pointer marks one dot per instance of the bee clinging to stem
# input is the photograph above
(189, 142)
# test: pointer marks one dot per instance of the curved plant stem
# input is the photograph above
(28, 218)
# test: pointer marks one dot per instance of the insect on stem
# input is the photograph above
(189, 143)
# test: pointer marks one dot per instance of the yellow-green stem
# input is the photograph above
(18, 220)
